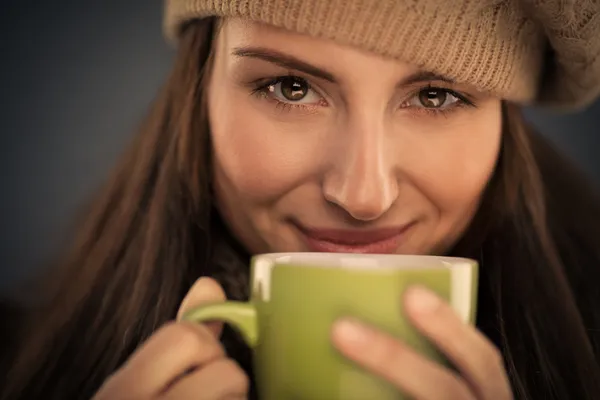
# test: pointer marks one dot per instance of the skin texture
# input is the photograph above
(361, 153)
(185, 361)
(181, 360)
(480, 376)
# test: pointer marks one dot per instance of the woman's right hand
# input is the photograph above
(181, 361)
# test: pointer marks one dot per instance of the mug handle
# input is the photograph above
(241, 316)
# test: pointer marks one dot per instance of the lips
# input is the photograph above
(379, 241)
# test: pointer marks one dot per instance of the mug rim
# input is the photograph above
(360, 261)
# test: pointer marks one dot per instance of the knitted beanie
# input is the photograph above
(544, 52)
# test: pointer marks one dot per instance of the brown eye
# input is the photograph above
(294, 89)
(432, 98)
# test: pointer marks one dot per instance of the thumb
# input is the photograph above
(203, 291)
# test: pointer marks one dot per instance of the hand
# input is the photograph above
(481, 374)
(181, 360)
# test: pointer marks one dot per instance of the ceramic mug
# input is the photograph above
(296, 297)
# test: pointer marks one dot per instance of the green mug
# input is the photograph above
(296, 297)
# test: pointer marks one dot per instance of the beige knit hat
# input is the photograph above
(545, 52)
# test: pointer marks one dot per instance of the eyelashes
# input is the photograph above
(289, 93)
(436, 101)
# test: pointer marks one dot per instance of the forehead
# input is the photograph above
(236, 33)
(245, 32)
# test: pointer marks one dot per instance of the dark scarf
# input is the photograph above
(229, 265)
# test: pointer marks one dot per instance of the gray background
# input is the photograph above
(76, 77)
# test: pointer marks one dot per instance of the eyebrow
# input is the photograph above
(291, 62)
(283, 60)
(424, 76)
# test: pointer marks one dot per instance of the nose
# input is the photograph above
(362, 179)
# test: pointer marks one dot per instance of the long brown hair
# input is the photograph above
(152, 231)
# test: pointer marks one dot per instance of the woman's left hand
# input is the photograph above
(481, 374)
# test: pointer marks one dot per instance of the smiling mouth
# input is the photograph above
(377, 241)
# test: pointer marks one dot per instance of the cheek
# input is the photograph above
(458, 167)
(260, 158)
(458, 188)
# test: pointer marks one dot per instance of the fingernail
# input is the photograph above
(351, 332)
(419, 299)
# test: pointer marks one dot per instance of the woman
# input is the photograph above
(382, 126)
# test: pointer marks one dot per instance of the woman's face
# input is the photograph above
(321, 147)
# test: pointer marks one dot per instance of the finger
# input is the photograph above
(477, 359)
(172, 352)
(222, 379)
(203, 291)
(410, 372)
